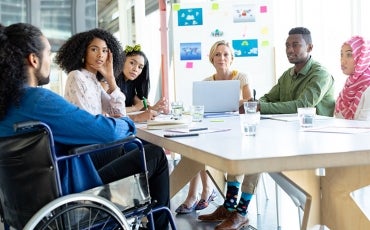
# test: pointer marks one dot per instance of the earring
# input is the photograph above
(83, 60)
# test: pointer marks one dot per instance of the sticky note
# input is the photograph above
(215, 6)
(265, 43)
(189, 65)
(264, 30)
(263, 9)
(176, 7)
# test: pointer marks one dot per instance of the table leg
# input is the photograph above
(339, 210)
(218, 178)
(183, 172)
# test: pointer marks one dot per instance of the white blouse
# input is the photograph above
(85, 91)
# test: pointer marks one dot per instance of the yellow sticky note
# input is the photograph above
(215, 6)
(265, 43)
(264, 30)
(176, 7)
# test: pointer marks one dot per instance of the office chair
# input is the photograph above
(31, 190)
(299, 197)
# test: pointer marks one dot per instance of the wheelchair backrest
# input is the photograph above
(27, 175)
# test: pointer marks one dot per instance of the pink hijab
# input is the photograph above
(357, 82)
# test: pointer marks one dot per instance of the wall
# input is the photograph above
(331, 23)
(197, 26)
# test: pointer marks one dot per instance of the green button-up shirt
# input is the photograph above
(312, 86)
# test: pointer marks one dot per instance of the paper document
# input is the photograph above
(222, 114)
(166, 121)
(339, 129)
(196, 130)
(281, 117)
(289, 117)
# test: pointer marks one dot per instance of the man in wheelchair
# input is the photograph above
(25, 65)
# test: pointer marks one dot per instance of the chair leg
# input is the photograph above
(258, 192)
(264, 185)
(300, 217)
(168, 213)
(278, 207)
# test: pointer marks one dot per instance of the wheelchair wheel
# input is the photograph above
(78, 211)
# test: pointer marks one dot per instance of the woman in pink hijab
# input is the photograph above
(354, 100)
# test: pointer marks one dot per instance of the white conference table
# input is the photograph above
(279, 146)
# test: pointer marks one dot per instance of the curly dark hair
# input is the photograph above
(69, 57)
(18, 41)
(306, 34)
(142, 82)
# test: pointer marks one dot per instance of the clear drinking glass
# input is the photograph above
(177, 109)
(197, 112)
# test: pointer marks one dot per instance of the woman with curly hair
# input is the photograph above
(88, 57)
(134, 82)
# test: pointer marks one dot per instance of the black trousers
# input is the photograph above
(113, 165)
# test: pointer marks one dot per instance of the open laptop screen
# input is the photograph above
(217, 96)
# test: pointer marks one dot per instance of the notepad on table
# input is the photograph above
(167, 122)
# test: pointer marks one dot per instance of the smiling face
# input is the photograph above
(347, 61)
(133, 67)
(96, 54)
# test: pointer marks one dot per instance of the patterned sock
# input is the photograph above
(243, 203)
(231, 195)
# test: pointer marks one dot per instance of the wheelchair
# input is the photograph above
(32, 194)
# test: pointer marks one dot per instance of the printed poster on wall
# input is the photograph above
(248, 28)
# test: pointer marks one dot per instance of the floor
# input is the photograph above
(266, 219)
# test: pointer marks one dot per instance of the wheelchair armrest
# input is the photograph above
(29, 125)
(102, 146)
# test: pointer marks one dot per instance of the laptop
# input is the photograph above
(217, 96)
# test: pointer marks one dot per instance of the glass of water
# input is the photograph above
(177, 109)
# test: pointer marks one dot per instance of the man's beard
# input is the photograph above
(41, 80)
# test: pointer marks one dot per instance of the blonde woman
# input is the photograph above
(230, 213)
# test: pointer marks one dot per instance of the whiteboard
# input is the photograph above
(247, 25)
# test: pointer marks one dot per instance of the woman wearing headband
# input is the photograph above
(134, 82)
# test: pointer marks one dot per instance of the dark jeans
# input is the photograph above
(113, 165)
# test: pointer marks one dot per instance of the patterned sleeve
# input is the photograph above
(114, 103)
(83, 92)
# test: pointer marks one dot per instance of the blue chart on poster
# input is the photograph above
(190, 51)
(197, 25)
(245, 48)
(190, 17)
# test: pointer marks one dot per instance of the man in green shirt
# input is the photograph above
(306, 84)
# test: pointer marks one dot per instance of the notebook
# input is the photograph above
(217, 96)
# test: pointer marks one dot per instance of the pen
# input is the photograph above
(197, 129)
(254, 95)
(145, 103)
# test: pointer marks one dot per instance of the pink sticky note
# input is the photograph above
(189, 65)
(263, 9)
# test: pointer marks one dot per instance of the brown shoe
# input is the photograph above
(234, 222)
(220, 214)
